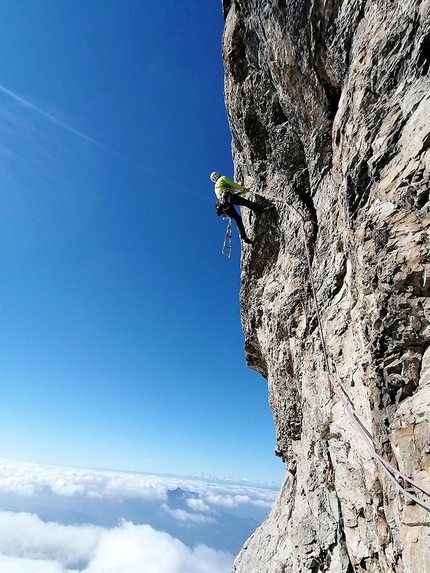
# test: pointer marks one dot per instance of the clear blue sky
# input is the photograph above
(121, 343)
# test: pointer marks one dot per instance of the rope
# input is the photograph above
(308, 257)
(414, 498)
(388, 468)
(317, 308)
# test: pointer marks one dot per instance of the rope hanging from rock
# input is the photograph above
(388, 468)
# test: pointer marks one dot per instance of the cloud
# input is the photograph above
(182, 515)
(25, 103)
(28, 545)
(197, 505)
(240, 498)
(18, 565)
(27, 479)
(63, 514)
(24, 535)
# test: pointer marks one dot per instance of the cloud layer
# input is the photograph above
(68, 520)
(27, 479)
(28, 545)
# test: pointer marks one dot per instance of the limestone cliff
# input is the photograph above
(329, 109)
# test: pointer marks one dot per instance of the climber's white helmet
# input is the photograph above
(215, 176)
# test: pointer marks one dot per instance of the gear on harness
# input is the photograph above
(227, 245)
(223, 203)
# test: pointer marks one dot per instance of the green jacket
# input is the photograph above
(225, 184)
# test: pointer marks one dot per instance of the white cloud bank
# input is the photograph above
(27, 479)
(28, 545)
(182, 515)
(197, 505)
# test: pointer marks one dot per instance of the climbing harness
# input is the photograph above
(227, 245)
(388, 468)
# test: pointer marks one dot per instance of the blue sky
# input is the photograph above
(121, 343)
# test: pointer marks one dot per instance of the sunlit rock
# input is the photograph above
(329, 107)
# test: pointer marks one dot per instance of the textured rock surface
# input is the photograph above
(331, 99)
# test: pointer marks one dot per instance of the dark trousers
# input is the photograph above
(230, 211)
(238, 200)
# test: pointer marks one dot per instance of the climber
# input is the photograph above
(227, 198)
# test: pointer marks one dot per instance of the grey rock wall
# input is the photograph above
(329, 109)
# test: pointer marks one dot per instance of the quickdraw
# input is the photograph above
(227, 245)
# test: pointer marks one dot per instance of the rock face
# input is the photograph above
(329, 109)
